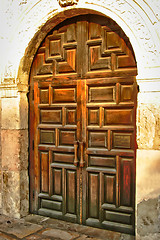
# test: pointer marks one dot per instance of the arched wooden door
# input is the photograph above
(83, 125)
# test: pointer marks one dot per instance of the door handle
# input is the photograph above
(76, 153)
(82, 162)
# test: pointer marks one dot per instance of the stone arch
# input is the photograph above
(132, 18)
(26, 61)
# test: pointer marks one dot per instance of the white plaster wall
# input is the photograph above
(21, 19)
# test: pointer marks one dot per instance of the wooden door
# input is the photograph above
(82, 125)
(109, 153)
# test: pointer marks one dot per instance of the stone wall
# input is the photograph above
(24, 25)
(14, 151)
(148, 158)
(148, 139)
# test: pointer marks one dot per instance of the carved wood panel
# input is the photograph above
(110, 154)
(82, 125)
(55, 134)
(86, 48)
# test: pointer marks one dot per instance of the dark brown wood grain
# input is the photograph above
(83, 125)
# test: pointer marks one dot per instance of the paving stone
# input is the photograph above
(42, 228)
(101, 234)
(127, 237)
(81, 229)
(33, 237)
(4, 218)
(37, 237)
(85, 237)
(19, 228)
(36, 219)
(60, 234)
(5, 237)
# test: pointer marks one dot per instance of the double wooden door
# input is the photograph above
(82, 125)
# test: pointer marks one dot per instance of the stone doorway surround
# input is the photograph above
(140, 24)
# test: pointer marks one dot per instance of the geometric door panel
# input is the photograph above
(57, 132)
(85, 49)
(109, 156)
(83, 125)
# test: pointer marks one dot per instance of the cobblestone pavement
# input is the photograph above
(39, 227)
(34, 227)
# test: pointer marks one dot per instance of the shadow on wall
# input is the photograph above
(148, 174)
(148, 221)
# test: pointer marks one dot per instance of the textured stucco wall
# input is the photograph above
(20, 20)
(24, 24)
(148, 139)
